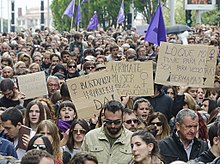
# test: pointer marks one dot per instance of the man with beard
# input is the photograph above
(111, 142)
(11, 96)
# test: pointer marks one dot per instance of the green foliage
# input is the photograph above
(58, 7)
(107, 11)
(211, 17)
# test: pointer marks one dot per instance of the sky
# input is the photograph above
(19, 3)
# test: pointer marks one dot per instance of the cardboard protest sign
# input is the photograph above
(33, 85)
(132, 78)
(192, 65)
(90, 92)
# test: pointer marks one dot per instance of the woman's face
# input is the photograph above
(22, 68)
(200, 94)
(140, 149)
(34, 69)
(205, 105)
(78, 133)
(90, 69)
(143, 110)
(34, 114)
(71, 68)
(47, 133)
(39, 144)
(67, 113)
(170, 93)
(158, 125)
(100, 61)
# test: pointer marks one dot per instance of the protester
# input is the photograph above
(40, 142)
(66, 114)
(11, 95)
(83, 158)
(214, 152)
(183, 144)
(130, 120)
(50, 130)
(37, 157)
(162, 127)
(7, 148)
(111, 142)
(143, 108)
(144, 148)
(12, 120)
(34, 114)
(77, 132)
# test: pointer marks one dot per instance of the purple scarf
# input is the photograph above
(64, 125)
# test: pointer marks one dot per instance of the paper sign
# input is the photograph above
(132, 78)
(192, 65)
(33, 85)
(90, 92)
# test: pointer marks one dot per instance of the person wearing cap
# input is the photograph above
(100, 67)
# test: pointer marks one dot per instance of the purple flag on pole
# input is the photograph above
(121, 15)
(70, 9)
(78, 15)
(93, 23)
(156, 31)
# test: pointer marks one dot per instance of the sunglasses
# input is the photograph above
(79, 131)
(92, 67)
(135, 121)
(72, 66)
(39, 146)
(156, 123)
(109, 122)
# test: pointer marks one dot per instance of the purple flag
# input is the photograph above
(121, 15)
(78, 15)
(70, 9)
(93, 23)
(156, 31)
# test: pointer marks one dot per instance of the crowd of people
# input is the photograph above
(177, 124)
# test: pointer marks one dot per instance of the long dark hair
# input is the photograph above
(46, 142)
(85, 126)
(148, 138)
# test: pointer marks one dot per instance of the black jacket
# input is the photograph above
(162, 103)
(206, 157)
(172, 149)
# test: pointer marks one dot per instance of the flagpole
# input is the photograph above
(71, 26)
(78, 22)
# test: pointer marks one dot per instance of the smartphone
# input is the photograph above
(23, 130)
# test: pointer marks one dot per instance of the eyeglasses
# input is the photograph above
(92, 67)
(72, 66)
(39, 146)
(79, 131)
(109, 122)
(135, 121)
(156, 123)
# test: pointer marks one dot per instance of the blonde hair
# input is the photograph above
(190, 101)
(54, 131)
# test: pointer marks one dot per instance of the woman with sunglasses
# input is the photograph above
(162, 127)
(77, 132)
(89, 67)
(40, 142)
(72, 70)
(144, 148)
